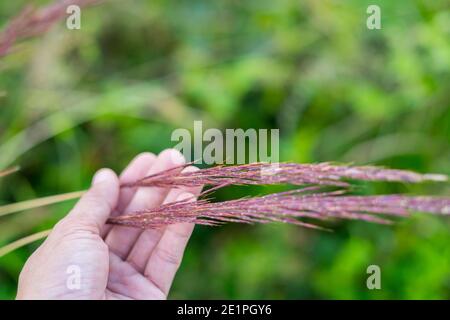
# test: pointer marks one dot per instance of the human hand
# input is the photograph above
(111, 262)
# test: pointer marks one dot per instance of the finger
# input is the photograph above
(121, 239)
(137, 169)
(168, 253)
(148, 239)
(96, 205)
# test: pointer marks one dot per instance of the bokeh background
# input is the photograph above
(72, 102)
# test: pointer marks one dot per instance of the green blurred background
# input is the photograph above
(72, 102)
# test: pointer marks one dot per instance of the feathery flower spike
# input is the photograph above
(282, 173)
(32, 22)
(287, 207)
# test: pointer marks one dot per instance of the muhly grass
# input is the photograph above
(33, 21)
(287, 207)
(26, 205)
(7, 172)
(304, 206)
(282, 173)
(23, 242)
(38, 202)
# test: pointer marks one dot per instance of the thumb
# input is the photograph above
(96, 205)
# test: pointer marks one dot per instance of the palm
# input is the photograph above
(142, 264)
(125, 282)
(112, 262)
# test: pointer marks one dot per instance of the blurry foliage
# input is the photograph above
(74, 101)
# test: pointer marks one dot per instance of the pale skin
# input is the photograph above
(114, 262)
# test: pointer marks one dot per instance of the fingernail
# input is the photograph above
(190, 169)
(101, 176)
